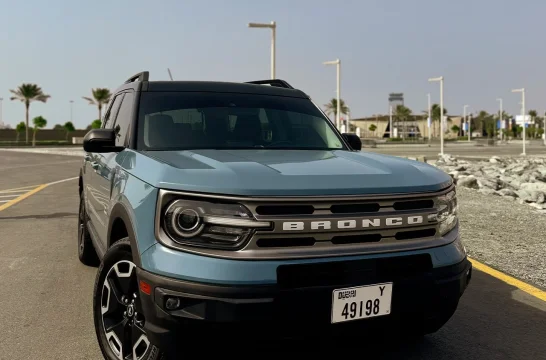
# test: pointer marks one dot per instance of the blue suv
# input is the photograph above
(238, 210)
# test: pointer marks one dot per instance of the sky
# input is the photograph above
(483, 48)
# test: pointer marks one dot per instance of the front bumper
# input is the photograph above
(301, 299)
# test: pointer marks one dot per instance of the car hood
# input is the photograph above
(286, 172)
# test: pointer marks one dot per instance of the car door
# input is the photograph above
(97, 196)
(110, 163)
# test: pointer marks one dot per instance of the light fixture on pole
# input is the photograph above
(337, 62)
(501, 119)
(465, 121)
(522, 91)
(273, 27)
(442, 130)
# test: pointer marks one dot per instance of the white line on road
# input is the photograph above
(4, 201)
(61, 181)
(5, 196)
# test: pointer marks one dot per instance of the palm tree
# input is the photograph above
(533, 115)
(101, 96)
(435, 110)
(28, 93)
(19, 129)
(402, 113)
(39, 123)
(331, 107)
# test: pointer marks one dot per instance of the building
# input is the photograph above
(414, 127)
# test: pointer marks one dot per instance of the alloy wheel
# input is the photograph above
(121, 311)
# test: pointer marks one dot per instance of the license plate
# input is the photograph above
(361, 302)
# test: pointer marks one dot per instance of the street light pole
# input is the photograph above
(441, 80)
(273, 27)
(501, 120)
(522, 91)
(337, 62)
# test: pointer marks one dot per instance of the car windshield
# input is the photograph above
(207, 120)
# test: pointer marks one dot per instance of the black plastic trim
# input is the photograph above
(120, 211)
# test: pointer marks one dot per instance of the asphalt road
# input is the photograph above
(46, 296)
(458, 149)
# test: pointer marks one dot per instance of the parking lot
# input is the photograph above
(45, 303)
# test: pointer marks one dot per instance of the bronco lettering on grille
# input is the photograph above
(348, 224)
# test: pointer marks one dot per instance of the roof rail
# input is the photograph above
(272, 82)
(141, 76)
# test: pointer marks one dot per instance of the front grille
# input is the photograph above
(344, 226)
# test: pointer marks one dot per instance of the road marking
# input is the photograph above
(31, 190)
(5, 196)
(64, 180)
(19, 189)
(529, 289)
(22, 197)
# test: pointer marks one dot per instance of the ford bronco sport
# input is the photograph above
(238, 208)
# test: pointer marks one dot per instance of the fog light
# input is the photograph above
(172, 303)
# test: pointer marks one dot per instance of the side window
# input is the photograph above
(111, 113)
(123, 120)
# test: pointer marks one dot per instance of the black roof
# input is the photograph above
(274, 87)
(218, 86)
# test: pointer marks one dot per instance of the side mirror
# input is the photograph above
(101, 141)
(354, 141)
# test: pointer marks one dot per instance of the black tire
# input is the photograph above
(86, 250)
(115, 297)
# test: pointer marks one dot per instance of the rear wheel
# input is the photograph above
(86, 251)
(117, 309)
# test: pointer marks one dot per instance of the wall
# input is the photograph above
(41, 135)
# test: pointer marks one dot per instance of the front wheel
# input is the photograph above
(117, 309)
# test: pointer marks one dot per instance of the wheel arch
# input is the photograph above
(121, 226)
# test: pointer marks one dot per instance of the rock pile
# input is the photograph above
(517, 179)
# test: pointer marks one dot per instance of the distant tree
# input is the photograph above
(100, 97)
(68, 127)
(402, 113)
(28, 93)
(533, 114)
(96, 124)
(331, 107)
(39, 123)
(372, 128)
(58, 127)
(21, 127)
(455, 129)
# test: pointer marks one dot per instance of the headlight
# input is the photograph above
(205, 224)
(447, 212)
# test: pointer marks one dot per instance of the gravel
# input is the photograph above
(502, 202)
(504, 234)
(512, 178)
